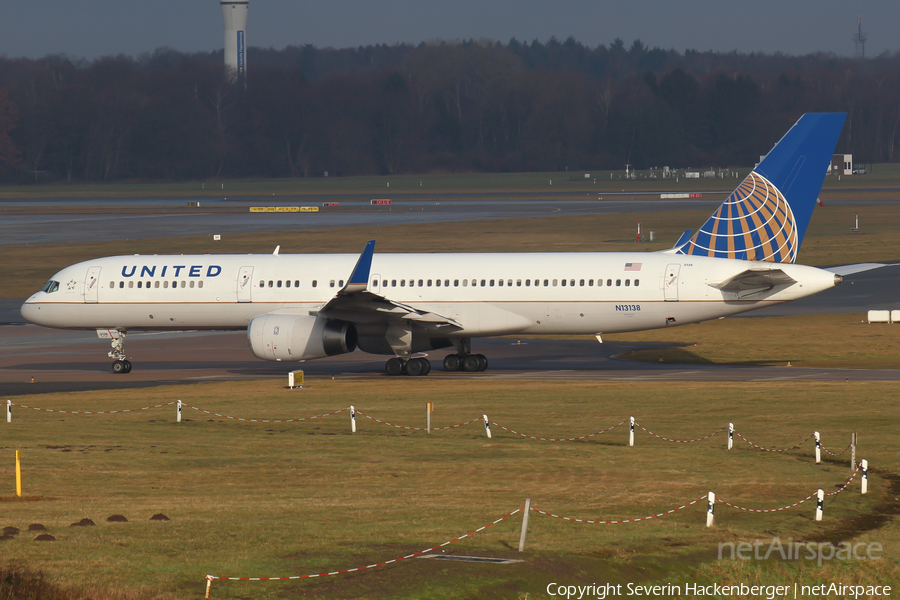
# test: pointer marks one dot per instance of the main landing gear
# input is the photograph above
(412, 366)
(121, 365)
(465, 362)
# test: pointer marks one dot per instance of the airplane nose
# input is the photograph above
(30, 312)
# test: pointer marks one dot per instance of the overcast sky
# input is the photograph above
(93, 28)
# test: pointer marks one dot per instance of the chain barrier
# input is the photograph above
(835, 453)
(359, 412)
(209, 412)
(847, 484)
(597, 522)
(93, 412)
(210, 578)
(773, 449)
(700, 439)
(545, 439)
(766, 510)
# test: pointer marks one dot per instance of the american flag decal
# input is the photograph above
(633, 266)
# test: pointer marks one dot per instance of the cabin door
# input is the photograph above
(91, 285)
(670, 283)
(245, 284)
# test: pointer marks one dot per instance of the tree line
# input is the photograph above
(435, 107)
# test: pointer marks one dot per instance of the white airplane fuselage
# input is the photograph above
(486, 294)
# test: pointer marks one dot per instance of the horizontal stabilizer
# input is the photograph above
(755, 280)
(853, 269)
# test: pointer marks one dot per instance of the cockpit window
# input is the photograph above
(50, 287)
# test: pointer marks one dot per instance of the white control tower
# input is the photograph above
(234, 13)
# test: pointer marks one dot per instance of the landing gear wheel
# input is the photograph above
(471, 363)
(415, 367)
(452, 362)
(119, 367)
(393, 367)
(427, 364)
(482, 362)
(127, 366)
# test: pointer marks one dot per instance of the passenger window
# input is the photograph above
(572, 283)
(563, 283)
(500, 282)
(296, 283)
(192, 283)
(331, 283)
(341, 283)
(156, 284)
(456, 283)
(393, 283)
(436, 281)
(554, 283)
(482, 282)
(315, 282)
(609, 282)
(287, 283)
(465, 282)
(130, 284)
(518, 283)
(420, 283)
(637, 282)
(165, 285)
(547, 282)
(279, 283)
(402, 283)
(262, 283)
(121, 284)
(590, 283)
(412, 283)
(492, 283)
(140, 284)
(112, 284)
(627, 282)
(527, 283)
(446, 283)
(271, 283)
(618, 282)
(199, 284)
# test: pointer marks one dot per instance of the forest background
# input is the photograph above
(438, 107)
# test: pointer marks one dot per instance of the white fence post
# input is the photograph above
(352, 419)
(178, 415)
(820, 502)
(864, 482)
(487, 426)
(710, 509)
(428, 417)
(9, 411)
(730, 436)
(852, 452)
(524, 524)
(818, 447)
(631, 432)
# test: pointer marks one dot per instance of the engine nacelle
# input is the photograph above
(293, 337)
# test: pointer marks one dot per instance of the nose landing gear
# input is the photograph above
(121, 364)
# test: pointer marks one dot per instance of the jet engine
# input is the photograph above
(299, 337)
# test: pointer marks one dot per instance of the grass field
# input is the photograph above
(267, 499)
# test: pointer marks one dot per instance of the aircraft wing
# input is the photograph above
(355, 302)
(853, 269)
(755, 280)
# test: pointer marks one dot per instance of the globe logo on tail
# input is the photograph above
(754, 223)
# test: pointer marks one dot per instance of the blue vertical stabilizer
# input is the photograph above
(766, 217)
